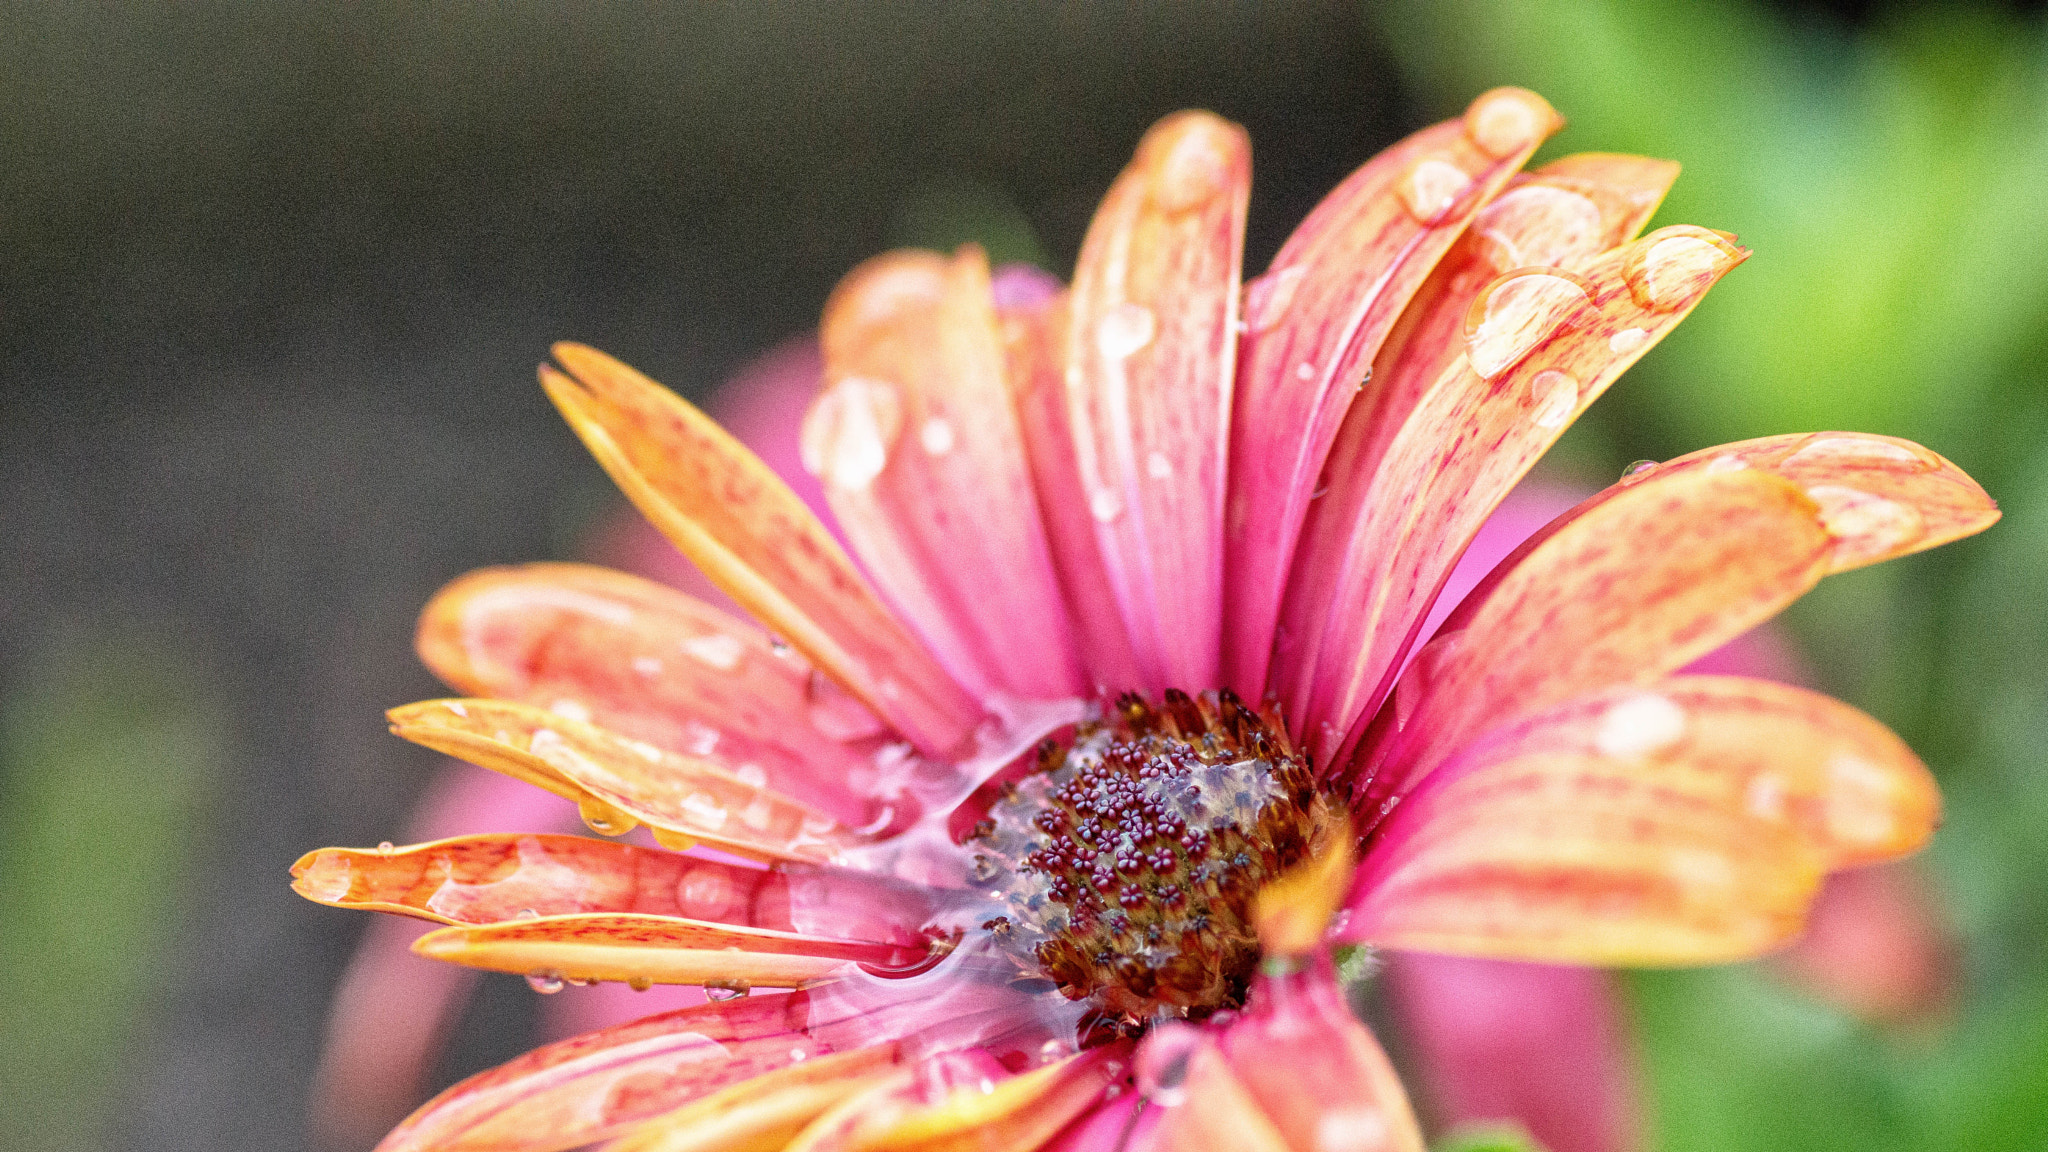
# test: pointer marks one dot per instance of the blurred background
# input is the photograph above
(274, 278)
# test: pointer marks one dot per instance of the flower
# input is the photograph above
(1052, 802)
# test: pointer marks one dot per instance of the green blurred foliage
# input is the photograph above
(1890, 178)
(107, 749)
(1488, 1140)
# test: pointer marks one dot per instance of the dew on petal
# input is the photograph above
(1357, 1128)
(1125, 330)
(604, 819)
(1158, 467)
(699, 738)
(1859, 808)
(386, 847)
(1535, 225)
(1637, 468)
(1861, 450)
(568, 709)
(1266, 299)
(639, 983)
(705, 810)
(715, 650)
(849, 430)
(545, 983)
(647, 665)
(722, 990)
(1507, 120)
(328, 878)
(1765, 797)
(1555, 396)
(752, 775)
(1639, 725)
(1432, 188)
(1516, 314)
(1726, 462)
(936, 435)
(456, 707)
(1672, 266)
(1627, 340)
(705, 894)
(1161, 1067)
(1196, 167)
(1864, 524)
(1105, 506)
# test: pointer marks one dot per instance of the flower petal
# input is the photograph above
(630, 948)
(1879, 496)
(941, 509)
(764, 1112)
(577, 1091)
(1218, 1114)
(1683, 823)
(620, 781)
(1034, 337)
(1540, 1045)
(1151, 354)
(653, 664)
(1315, 320)
(509, 875)
(917, 1111)
(1538, 346)
(756, 541)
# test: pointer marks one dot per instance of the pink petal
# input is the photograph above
(1151, 355)
(1539, 1045)
(1314, 323)
(922, 459)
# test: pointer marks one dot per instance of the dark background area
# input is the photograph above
(273, 282)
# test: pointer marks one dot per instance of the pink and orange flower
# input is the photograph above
(1039, 823)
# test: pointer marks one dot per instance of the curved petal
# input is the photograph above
(1151, 354)
(620, 781)
(1218, 1113)
(1538, 346)
(1687, 822)
(1540, 1045)
(653, 664)
(1880, 496)
(642, 949)
(764, 1112)
(1034, 338)
(756, 541)
(924, 465)
(577, 1091)
(1315, 320)
(508, 876)
(936, 1108)
(1620, 590)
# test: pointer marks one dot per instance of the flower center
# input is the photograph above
(1127, 862)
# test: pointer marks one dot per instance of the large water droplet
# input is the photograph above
(849, 430)
(1637, 468)
(1639, 725)
(1124, 330)
(1555, 396)
(726, 989)
(604, 819)
(936, 435)
(1506, 120)
(1266, 299)
(1672, 266)
(1432, 188)
(545, 983)
(1104, 505)
(386, 847)
(715, 650)
(1537, 224)
(705, 811)
(1516, 314)
(1627, 340)
(1864, 524)
(639, 983)
(1161, 1067)
(1861, 451)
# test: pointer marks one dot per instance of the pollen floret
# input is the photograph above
(1127, 863)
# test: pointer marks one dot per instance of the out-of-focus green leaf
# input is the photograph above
(1488, 1139)
(106, 753)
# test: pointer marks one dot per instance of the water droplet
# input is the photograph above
(1507, 120)
(699, 738)
(715, 650)
(545, 983)
(1356, 1128)
(1516, 314)
(568, 709)
(1862, 801)
(1637, 468)
(526, 914)
(1670, 267)
(1627, 340)
(386, 848)
(1765, 796)
(1537, 224)
(1555, 396)
(1864, 525)
(936, 435)
(752, 775)
(639, 983)
(726, 989)
(1432, 188)
(798, 1055)
(1304, 371)
(456, 707)
(647, 665)
(1161, 1067)
(1104, 505)
(1158, 466)
(780, 647)
(704, 811)
(1725, 463)
(1866, 451)
(849, 430)
(604, 819)
(1639, 725)
(1124, 330)
(1196, 167)
(1266, 299)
